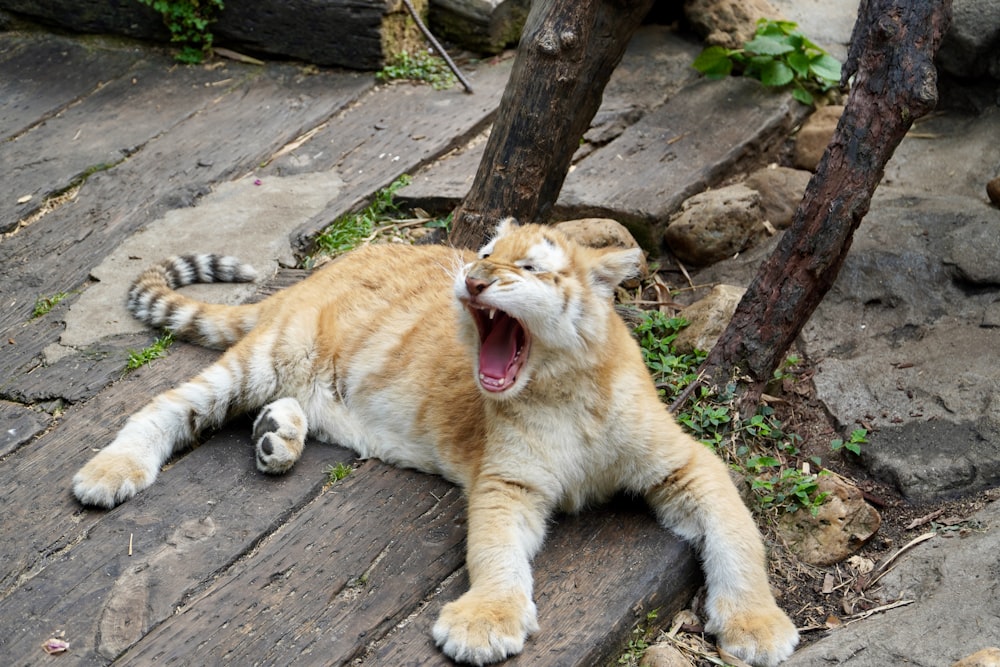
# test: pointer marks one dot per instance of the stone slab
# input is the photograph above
(955, 584)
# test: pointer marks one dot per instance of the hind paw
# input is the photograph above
(279, 434)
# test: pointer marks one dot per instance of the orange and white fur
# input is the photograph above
(508, 373)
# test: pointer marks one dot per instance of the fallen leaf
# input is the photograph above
(832, 622)
(828, 584)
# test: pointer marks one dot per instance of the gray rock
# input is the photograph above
(781, 190)
(936, 458)
(971, 47)
(715, 225)
(974, 250)
(956, 585)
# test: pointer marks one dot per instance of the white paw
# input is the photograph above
(279, 434)
(112, 477)
(478, 629)
(763, 637)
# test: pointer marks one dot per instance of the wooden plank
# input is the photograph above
(43, 76)
(105, 127)
(207, 510)
(348, 568)
(78, 376)
(392, 131)
(20, 425)
(35, 481)
(598, 574)
(673, 152)
(244, 126)
(656, 65)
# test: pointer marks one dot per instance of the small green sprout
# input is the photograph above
(859, 436)
(45, 304)
(156, 350)
(335, 473)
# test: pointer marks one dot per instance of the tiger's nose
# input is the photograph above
(476, 285)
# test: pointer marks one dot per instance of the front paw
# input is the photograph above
(279, 435)
(112, 477)
(762, 637)
(479, 629)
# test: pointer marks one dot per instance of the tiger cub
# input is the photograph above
(507, 372)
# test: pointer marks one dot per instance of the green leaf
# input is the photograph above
(802, 95)
(768, 46)
(776, 74)
(800, 63)
(714, 62)
(826, 67)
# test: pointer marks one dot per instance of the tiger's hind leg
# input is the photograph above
(279, 435)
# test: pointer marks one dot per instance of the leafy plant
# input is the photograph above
(188, 22)
(758, 447)
(639, 641)
(423, 66)
(44, 304)
(156, 350)
(778, 55)
(859, 436)
(350, 230)
(671, 371)
(338, 472)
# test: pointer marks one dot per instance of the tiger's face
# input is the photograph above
(533, 298)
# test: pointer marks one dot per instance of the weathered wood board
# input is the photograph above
(42, 77)
(250, 118)
(598, 574)
(394, 130)
(681, 148)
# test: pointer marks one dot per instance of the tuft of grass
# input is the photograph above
(155, 350)
(335, 473)
(44, 304)
(778, 56)
(757, 447)
(351, 230)
(422, 67)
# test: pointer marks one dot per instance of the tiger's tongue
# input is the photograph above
(499, 347)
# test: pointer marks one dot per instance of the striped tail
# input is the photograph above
(154, 301)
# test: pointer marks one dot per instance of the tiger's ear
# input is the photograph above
(612, 266)
(505, 226)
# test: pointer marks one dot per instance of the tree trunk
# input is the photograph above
(568, 50)
(895, 82)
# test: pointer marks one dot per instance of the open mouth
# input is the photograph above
(503, 348)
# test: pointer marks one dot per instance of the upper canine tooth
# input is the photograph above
(493, 311)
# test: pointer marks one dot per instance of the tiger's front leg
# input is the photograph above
(493, 619)
(699, 502)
